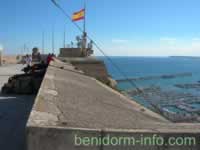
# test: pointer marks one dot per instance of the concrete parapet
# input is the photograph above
(45, 138)
(48, 138)
(70, 52)
(91, 67)
(71, 104)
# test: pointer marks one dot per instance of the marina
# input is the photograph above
(175, 106)
(170, 87)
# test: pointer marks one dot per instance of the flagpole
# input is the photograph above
(84, 40)
(84, 23)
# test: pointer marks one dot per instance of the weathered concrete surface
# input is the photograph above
(47, 138)
(91, 67)
(70, 102)
(78, 99)
(14, 113)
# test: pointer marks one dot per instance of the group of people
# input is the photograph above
(28, 59)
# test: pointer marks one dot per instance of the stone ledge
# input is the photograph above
(59, 98)
(47, 138)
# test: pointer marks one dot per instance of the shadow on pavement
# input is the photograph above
(14, 113)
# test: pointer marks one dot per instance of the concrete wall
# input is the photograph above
(96, 69)
(46, 138)
(70, 52)
(49, 129)
(56, 138)
(91, 67)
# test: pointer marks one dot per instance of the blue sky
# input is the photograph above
(121, 27)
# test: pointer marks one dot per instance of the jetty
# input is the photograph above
(166, 76)
(77, 101)
(189, 86)
(71, 103)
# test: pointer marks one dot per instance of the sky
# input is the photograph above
(120, 27)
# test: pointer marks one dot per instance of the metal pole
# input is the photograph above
(64, 38)
(43, 42)
(84, 23)
(53, 40)
(1, 56)
(25, 48)
(84, 40)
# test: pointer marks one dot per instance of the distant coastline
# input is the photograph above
(188, 57)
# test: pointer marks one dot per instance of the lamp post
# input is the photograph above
(1, 51)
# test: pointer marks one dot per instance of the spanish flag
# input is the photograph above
(79, 15)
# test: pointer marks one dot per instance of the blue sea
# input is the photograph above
(135, 67)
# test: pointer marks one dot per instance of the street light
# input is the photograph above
(1, 51)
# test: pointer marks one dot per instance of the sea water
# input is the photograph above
(135, 67)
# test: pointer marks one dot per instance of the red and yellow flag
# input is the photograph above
(79, 15)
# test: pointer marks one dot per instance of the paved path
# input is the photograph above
(14, 112)
(70, 99)
(7, 71)
(80, 101)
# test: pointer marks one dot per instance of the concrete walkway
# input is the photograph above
(80, 101)
(8, 70)
(14, 112)
(70, 103)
